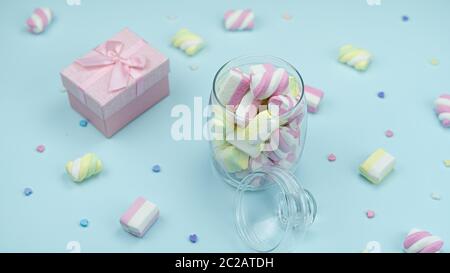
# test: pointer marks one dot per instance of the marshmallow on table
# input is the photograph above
(377, 166)
(443, 109)
(187, 41)
(84, 167)
(355, 57)
(239, 19)
(313, 98)
(139, 217)
(420, 241)
(233, 87)
(232, 159)
(39, 20)
(247, 109)
(267, 80)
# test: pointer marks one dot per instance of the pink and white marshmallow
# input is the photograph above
(313, 98)
(239, 19)
(39, 20)
(247, 109)
(259, 162)
(283, 142)
(139, 217)
(281, 104)
(421, 241)
(233, 87)
(289, 161)
(443, 109)
(267, 80)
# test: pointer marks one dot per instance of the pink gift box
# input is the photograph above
(117, 81)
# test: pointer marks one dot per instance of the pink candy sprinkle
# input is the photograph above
(389, 133)
(40, 148)
(370, 214)
(331, 157)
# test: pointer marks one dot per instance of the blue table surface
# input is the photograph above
(350, 123)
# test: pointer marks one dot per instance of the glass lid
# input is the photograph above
(272, 210)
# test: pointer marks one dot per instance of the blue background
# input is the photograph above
(350, 123)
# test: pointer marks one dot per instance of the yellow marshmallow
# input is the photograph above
(84, 167)
(187, 41)
(294, 87)
(232, 159)
(356, 57)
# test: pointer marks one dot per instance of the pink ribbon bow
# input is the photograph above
(111, 53)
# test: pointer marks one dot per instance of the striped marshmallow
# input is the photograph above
(84, 167)
(377, 166)
(232, 159)
(281, 104)
(420, 241)
(39, 20)
(313, 98)
(246, 109)
(239, 19)
(139, 217)
(233, 87)
(283, 141)
(259, 162)
(289, 161)
(443, 109)
(242, 140)
(267, 80)
(187, 41)
(355, 57)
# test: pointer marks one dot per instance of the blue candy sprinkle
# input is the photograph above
(83, 123)
(193, 238)
(156, 169)
(28, 191)
(405, 18)
(381, 94)
(84, 222)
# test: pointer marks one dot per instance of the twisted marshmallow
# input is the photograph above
(283, 142)
(356, 57)
(39, 20)
(266, 81)
(281, 104)
(239, 19)
(259, 162)
(84, 167)
(187, 41)
(420, 241)
(233, 87)
(247, 109)
(443, 109)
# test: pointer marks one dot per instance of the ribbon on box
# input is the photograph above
(124, 63)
